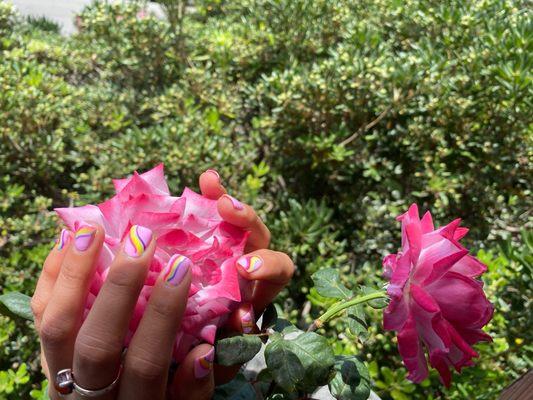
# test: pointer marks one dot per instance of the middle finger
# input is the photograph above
(99, 345)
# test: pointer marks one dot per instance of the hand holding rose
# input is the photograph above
(167, 265)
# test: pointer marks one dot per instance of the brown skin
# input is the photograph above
(93, 348)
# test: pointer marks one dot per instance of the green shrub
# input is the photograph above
(329, 117)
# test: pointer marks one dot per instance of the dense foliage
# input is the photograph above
(330, 117)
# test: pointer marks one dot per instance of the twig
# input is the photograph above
(367, 127)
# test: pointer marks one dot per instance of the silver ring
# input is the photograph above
(66, 384)
(97, 392)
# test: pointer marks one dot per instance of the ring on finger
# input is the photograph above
(65, 384)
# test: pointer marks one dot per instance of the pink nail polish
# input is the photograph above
(250, 264)
(137, 241)
(84, 237)
(204, 364)
(64, 239)
(214, 172)
(248, 321)
(176, 269)
(236, 203)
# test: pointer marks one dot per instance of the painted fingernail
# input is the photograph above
(250, 264)
(138, 240)
(214, 172)
(62, 241)
(236, 203)
(176, 269)
(248, 321)
(84, 237)
(204, 364)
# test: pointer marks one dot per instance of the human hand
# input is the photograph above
(61, 293)
(271, 270)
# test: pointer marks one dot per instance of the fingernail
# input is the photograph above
(84, 237)
(236, 203)
(214, 172)
(204, 364)
(250, 264)
(64, 238)
(176, 269)
(138, 240)
(248, 321)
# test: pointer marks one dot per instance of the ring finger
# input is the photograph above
(62, 316)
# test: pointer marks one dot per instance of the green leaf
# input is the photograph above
(328, 284)
(285, 366)
(351, 380)
(316, 356)
(284, 326)
(376, 303)
(397, 395)
(237, 349)
(357, 328)
(358, 312)
(16, 304)
(237, 389)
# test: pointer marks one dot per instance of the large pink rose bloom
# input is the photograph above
(437, 304)
(189, 225)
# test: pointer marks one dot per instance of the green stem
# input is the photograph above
(340, 306)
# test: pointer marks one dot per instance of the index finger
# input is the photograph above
(244, 216)
(235, 212)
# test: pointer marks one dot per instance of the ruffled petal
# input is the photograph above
(73, 216)
(469, 266)
(461, 300)
(427, 223)
(412, 352)
(395, 315)
(154, 177)
(399, 276)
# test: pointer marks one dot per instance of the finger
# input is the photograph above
(242, 320)
(62, 316)
(271, 269)
(47, 280)
(210, 185)
(244, 216)
(99, 345)
(150, 351)
(194, 377)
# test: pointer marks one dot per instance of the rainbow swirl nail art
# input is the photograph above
(250, 264)
(235, 203)
(138, 240)
(203, 365)
(176, 269)
(64, 238)
(248, 321)
(84, 237)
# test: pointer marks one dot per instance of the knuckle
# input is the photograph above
(50, 269)
(162, 308)
(93, 352)
(72, 274)
(147, 368)
(55, 331)
(37, 307)
(121, 279)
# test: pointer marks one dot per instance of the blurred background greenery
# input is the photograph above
(330, 117)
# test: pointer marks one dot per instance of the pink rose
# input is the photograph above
(189, 225)
(437, 304)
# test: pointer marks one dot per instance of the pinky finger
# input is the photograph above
(47, 280)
